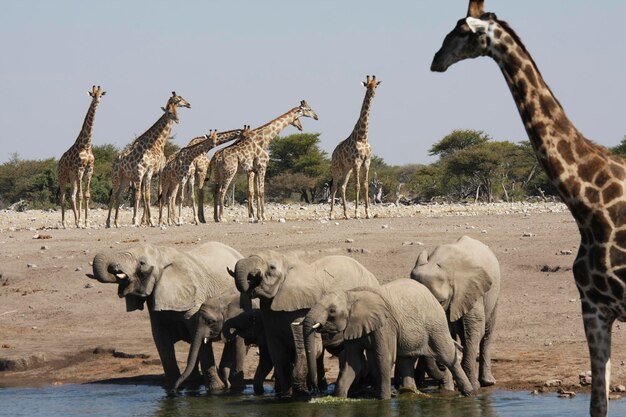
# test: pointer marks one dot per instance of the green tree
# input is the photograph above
(297, 165)
(458, 140)
(620, 149)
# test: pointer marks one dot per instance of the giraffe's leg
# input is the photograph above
(366, 188)
(74, 184)
(200, 181)
(180, 193)
(357, 189)
(88, 174)
(251, 195)
(598, 332)
(343, 193)
(191, 183)
(260, 209)
(333, 193)
(79, 196)
(147, 200)
(62, 182)
(162, 198)
(138, 195)
(216, 199)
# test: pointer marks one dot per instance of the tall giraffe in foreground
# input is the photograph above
(136, 164)
(353, 153)
(179, 171)
(76, 164)
(250, 155)
(590, 180)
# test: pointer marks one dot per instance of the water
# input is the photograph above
(142, 400)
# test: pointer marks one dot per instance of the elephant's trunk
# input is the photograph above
(192, 358)
(315, 319)
(232, 326)
(247, 273)
(422, 260)
(101, 263)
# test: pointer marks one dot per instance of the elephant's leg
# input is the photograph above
(350, 366)
(404, 370)
(281, 358)
(212, 380)
(167, 354)
(227, 362)
(238, 350)
(300, 368)
(485, 377)
(322, 383)
(471, 336)
(263, 369)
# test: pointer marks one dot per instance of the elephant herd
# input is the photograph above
(439, 321)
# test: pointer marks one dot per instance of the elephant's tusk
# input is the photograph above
(316, 325)
(458, 345)
(122, 275)
(296, 323)
(206, 340)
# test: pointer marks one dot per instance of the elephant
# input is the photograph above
(287, 288)
(174, 284)
(398, 321)
(464, 277)
(224, 316)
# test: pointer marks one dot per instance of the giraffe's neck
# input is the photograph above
(360, 129)
(264, 134)
(559, 146)
(223, 137)
(83, 141)
(154, 139)
(189, 153)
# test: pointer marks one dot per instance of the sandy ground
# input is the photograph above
(52, 318)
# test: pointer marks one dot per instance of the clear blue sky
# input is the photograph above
(246, 62)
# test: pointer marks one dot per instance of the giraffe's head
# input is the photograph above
(178, 101)
(170, 111)
(371, 83)
(473, 36)
(212, 136)
(96, 93)
(305, 110)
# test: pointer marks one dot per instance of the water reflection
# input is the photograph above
(151, 401)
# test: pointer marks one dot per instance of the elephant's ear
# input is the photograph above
(134, 303)
(299, 290)
(367, 312)
(175, 289)
(470, 282)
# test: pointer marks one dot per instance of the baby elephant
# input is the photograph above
(398, 321)
(465, 278)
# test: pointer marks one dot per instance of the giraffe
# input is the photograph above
(136, 164)
(200, 168)
(353, 153)
(589, 179)
(76, 164)
(250, 155)
(179, 171)
(176, 174)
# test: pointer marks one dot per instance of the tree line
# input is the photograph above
(470, 166)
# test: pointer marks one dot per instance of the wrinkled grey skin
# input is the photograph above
(174, 284)
(287, 288)
(209, 321)
(398, 321)
(249, 326)
(465, 278)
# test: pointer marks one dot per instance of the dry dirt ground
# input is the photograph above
(52, 318)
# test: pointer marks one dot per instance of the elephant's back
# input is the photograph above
(215, 259)
(417, 313)
(339, 272)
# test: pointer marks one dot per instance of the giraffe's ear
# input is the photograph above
(364, 83)
(477, 25)
(163, 108)
(378, 83)
(103, 93)
(476, 8)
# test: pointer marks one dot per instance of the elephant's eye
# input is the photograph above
(332, 310)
